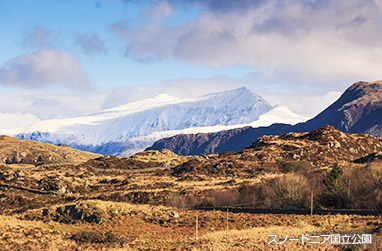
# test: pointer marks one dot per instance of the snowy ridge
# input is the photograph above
(279, 114)
(135, 126)
(54, 125)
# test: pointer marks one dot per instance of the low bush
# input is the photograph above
(94, 237)
(295, 166)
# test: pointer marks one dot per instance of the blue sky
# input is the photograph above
(302, 54)
(64, 21)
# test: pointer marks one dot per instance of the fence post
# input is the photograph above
(196, 227)
(227, 227)
(311, 203)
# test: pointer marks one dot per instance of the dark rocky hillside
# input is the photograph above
(228, 140)
(322, 147)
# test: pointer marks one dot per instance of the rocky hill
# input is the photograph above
(13, 151)
(142, 160)
(358, 110)
(289, 152)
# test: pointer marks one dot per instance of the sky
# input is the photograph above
(62, 58)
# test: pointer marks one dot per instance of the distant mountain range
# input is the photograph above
(358, 110)
(127, 129)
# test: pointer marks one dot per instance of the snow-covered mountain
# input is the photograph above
(129, 128)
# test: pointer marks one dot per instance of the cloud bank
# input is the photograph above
(45, 67)
(326, 40)
(15, 121)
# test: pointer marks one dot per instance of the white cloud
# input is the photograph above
(39, 37)
(90, 44)
(49, 104)
(15, 121)
(305, 104)
(45, 67)
(327, 40)
(161, 9)
(182, 88)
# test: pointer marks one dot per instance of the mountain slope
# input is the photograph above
(133, 127)
(358, 110)
(13, 150)
(227, 140)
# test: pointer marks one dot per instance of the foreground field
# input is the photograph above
(101, 225)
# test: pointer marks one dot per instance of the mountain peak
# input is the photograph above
(364, 83)
(243, 89)
(165, 97)
(237, 97)
(325, 132)
(362, 88)
(234, 92)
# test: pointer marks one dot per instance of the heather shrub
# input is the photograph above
(221, 198)
(182, 201)
(295, 166)
(94, 237)
(254, 195)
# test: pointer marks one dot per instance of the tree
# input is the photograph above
(289, 190)
(332, 182)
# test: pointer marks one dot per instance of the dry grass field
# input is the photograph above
(125, 226)
(153, 200)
